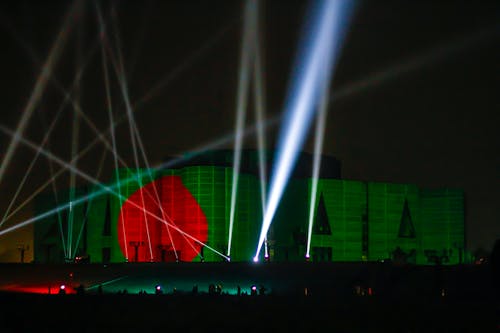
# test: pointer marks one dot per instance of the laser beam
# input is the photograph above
(131, 120)
(48, 131)
(110, 112)
(40, 85)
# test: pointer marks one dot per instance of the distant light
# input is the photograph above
(256, 259)
(158, 287)
(62, 287)
(254, 287)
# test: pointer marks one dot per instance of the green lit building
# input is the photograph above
(183, 214)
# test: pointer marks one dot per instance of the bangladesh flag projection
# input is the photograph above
(145, 237)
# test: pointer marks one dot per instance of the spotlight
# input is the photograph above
(62, 289)
(256, 259)
(308, 257)
(158, 290)
(253, 290)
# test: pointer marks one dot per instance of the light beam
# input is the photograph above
(260, 105)
(241, 106)
(318, 148)
(318, 53)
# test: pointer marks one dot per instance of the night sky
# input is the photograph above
(415, 95)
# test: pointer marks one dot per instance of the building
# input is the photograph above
(353, 220)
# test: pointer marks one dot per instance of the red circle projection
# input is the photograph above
(142, 234)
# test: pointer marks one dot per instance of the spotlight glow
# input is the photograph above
(317, 55)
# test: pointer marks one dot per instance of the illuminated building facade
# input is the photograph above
(186, 218)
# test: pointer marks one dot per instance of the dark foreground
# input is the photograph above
(225, 313)
(297, 298)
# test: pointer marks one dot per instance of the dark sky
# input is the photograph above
(415, 94)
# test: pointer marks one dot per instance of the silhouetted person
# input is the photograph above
(262, 290)
(195, 289)
(99, 289)
(239, 290)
